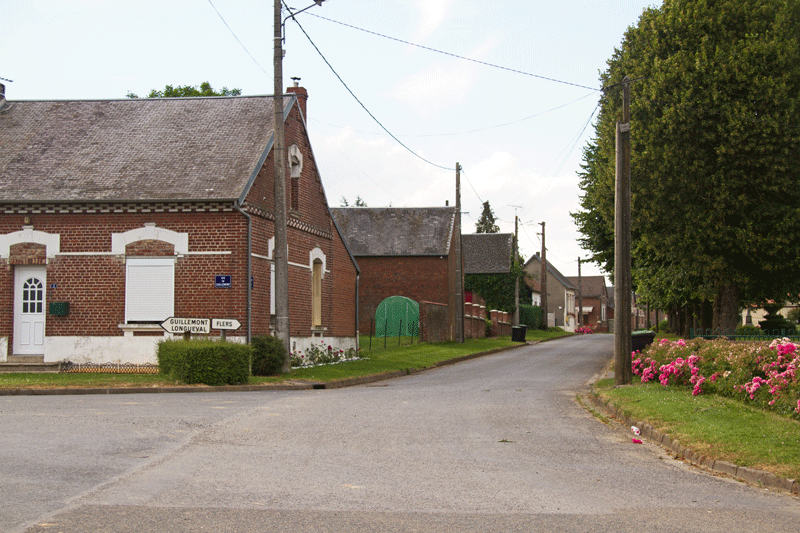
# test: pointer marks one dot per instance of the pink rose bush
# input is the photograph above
(756, 372)
(584, 329)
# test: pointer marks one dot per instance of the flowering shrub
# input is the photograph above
(585, 329)
(757, 372)
(322, 354)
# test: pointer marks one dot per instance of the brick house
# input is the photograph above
(406, 251)
(118, 214)
(595, 301)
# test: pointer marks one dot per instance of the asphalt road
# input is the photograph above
(496, 443)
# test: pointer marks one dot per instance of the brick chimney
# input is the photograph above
(302, 95)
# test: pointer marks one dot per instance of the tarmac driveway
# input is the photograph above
(495, 443)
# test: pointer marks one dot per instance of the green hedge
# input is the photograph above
(268, 355)
(205, 361)
(531, 316)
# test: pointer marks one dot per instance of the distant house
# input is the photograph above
(595, 300)
(405, 251)
(486, 254)
(561, 294)
(116, 215)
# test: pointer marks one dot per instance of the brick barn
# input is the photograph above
(405, 251)
(118, 214)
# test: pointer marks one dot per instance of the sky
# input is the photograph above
(506, 88)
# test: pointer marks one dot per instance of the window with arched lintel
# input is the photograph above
(295, 169)
(317, 263)
(50, 241)
(149, 271)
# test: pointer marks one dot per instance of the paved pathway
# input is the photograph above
(496, 443)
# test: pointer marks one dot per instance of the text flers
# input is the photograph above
(225, 323)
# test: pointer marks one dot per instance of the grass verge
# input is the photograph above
(710, 425)
(394, 357)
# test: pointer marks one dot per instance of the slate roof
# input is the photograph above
(487, 253)
(133, 149)
(396, 231)
(551, 271)
(592, 286)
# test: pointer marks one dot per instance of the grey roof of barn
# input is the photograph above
(487, 253)
(396, 231)
(163, 149)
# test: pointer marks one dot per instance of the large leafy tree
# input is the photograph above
(715, 131)
(204, 89)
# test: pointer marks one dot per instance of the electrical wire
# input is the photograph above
(378, 122)
(362, 170)
(568, 153)
(237, 39)
(477, 130)
(470, 184)
(456, 55)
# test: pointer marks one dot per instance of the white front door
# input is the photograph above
(29, 309)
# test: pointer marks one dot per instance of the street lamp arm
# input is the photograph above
(293, 13)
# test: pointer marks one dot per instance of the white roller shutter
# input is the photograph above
(149, 289)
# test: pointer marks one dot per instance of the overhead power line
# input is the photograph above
(485, 63)
(475, 130)
(237, 39)
(378, 122)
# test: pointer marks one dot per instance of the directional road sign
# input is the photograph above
(225, 323)
(187, 325)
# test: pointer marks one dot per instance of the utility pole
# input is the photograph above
(459, 322)
(622, 244)
(543, 278)
(281, 245)
(580, 295)
(281, 252)
(515, 319)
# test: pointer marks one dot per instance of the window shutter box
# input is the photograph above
(59, 308)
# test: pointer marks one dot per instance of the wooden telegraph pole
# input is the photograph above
(580, 295)
(515, 319)
(543, 278)
(622, 245)
(459, 322)
(279, 154)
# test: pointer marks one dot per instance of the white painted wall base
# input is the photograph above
(3, 349)
(142, 349)
(120, 349)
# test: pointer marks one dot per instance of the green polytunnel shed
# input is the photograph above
(397, 316)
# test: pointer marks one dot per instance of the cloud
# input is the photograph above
(432, 14)
(441, 84)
